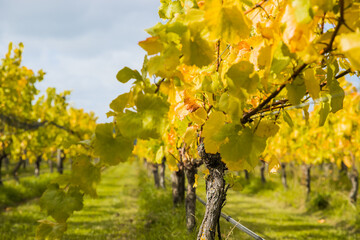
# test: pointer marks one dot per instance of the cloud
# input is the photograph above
(80, 44)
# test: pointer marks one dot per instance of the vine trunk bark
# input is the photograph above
(190, 201)
(2, 157)
(343, 169)
(16, 169)
(6, 163)
(155, 171)
(60, 157)
(307, 174)
(354, 178)
(262, 171)
(51, 165)
(24, 163)
(215, 194)
(178, 185)
(162, 173)
(246, 175)
(37, 166)
(283, 175)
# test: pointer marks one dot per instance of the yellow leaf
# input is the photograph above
(226, 21)
(266, 128)
(196, 180)
(159, 155)
(190, 135)
(350, 46)
(312, 83)
(212, 126)
(347, 161)
(199, 116)
(151, 45)
(295, 34)
(274, 165)
(180, 111)
(205, 172)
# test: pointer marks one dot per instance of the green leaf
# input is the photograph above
(303, 12)
(242, 149)
(324, 112)
(336, 92)
(241, 76)
(212, 126)
(337, 96)
(125, 74)
(325, 5)
(169, 8)
(212, 83)
(288, 119)
(165, 64)
(85, 174)
(131, 126)
(60, 204)
(266, 128)
(231, 105)
(50, 230)
(226, 21)
(196, 50)
(111, 148)
(121, 102)
(296, 91)
(281, 58)
(148, 121)
(234, 181)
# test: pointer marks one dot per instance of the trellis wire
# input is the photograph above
(235, 223)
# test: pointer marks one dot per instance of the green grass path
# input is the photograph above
(112, 214)
(109, 216)
(129, 207)
(274, 220)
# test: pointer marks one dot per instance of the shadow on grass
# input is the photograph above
(157, 218)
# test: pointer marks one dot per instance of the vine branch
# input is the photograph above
(258, 5)
(284, 102)
(247, 115)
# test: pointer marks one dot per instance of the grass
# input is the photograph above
(130, 207)
(13, 193)
(113, 214)
(276, 213)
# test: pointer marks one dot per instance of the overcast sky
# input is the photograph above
(80, 44)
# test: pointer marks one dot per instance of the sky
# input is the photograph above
(80, 44)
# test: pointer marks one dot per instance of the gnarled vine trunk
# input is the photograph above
(24, 163)
(37, 166)
(215, 194)
(190, 201)
(6, 161)
(162, 173)
(2, 157)
(51, 165)
(178, 185)
(155, 171)
(60, 157)
(283, 175)
(307, 175)
(354, 178)
(16, 169)
(343, 169)
(262, 171)
(246, 173)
